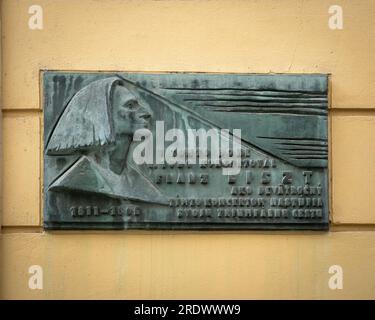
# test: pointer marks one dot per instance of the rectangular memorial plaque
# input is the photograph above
(185, 151)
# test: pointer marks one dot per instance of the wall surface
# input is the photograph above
(290, 36)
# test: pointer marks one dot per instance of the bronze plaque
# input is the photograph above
(185, 151)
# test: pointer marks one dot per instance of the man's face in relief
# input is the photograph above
(128, 114)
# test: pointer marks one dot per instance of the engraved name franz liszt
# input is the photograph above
(98, 124)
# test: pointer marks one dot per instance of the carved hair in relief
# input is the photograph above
(96, 116)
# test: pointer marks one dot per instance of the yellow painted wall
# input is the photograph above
(290, 36)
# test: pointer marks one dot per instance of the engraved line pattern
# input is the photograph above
(258, 102)
(295, 138)
(302, 144)
(302, 148)
(255, 100)
(255, 94)
(304, 157)
(312, 93)
(247, 109)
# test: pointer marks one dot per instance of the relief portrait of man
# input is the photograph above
(98, 124)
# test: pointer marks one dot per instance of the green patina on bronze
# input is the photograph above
(92, 182)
